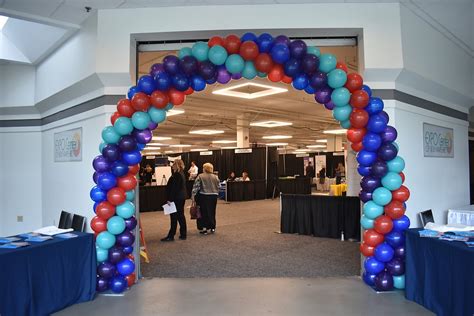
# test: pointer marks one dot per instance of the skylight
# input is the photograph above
(3, 21)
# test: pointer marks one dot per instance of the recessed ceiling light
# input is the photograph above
(3, 21)
(179, 145)
(321, 141)
(174, 112)
(316, 146)
(277, 144)
(199, 149)
(169, 151)
(161, 138)
(152, 148)
(206, 132)
(335, 131)
(301, 150)
(230, 91)
(229, 147)
(152, 153)
(281, 148)
(277, 137)
(224, 141)
(270, 124)
(155, 144)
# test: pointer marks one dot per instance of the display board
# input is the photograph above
(162, 175)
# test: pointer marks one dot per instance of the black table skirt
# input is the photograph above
(246, 190)
(152, 198)
(300, 185)
(320, 216)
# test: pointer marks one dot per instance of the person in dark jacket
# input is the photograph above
(176, 192)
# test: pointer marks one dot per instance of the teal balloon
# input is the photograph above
(313, 50)
(234, 64)
(101, 146)
(200, 50)
(396, 145)
(102, 254)
(337, 78)
(110, 136)
(125, 210)
(366, 223)
(392, 181)
(130, 195)
(342, 113)
(249, 71)
(327, 62)
(340, 96)
(399, 281)
(217, 55)
(115, 225)
(140, 120)
(346, 124)
(156, 115)
(185, 51)
(372, 210)
(169, 106)
(123, 125)
(261, 74)
(382, 196)
(105, 240)
(396, 165)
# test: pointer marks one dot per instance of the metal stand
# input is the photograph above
(164, 181)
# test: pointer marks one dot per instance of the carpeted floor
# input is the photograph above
(245, 245)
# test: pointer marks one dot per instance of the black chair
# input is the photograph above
(78, 223)
(426, 217)
(65, 220)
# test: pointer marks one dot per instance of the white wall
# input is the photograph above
(17, 85)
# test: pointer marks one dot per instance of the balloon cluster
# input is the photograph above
(230, 58)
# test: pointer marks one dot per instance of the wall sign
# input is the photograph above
(243, 151)
(68, 145)
(438, 141)
(205, 153)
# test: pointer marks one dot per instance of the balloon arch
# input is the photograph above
(280, 60)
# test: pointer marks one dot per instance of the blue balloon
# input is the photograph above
(382, 196)
(375, 106)
(367, 89)
(366, 223)
(340, 96)
(401, 224)
(131, 92)
(97, 194)
(292, 67)
(130, 195)
(372, 210)
(200, 51)
(399, 282)
(140, 120)
(396, 165)
(106, 181)
(364, 171)
(125, 267)
(140, 146)
(265, 42)
(342, 113)
(105, 240)
(119, 168)
(384, 252)
(115, 225)
(131, 157)
(309, 89)
(198, 83)
(249, 36)
(212, 80)
(392, 181)
(337, 78)
(300, 82)
(162, 81)
(327, 62)
(249, 72)
(373, 266)
(368, 278)
(127, 250)
(157, 115)
(118, 284)
(146, 84)
(102, 254)
(280, 53)
(371, 141)
(95, 206)
(395, 239)
(366, 158)
(185, 51)
(377, 123)
(110, 135)
(180, 82)
(125, 210)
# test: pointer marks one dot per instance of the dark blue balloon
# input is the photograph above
(373, 266)
(265, 42)
(375, 106)
(131, 223)
(367, 89)
(401, 224)
(396, 266)
(156, 69)
(162, 81)
(102, 284)
(389, 134)
(377, 123)
(300, 82)
(249, 36)
(384, 252)
(400, 252)
(318, 80)
(309, 64)
(115, 255)
(297, 49)
(395, 239)
(97, 194)
(207, 70)
(132, 91)
(140, 146)
(323, 95)
(198, 83)
(282, 39)
(383, 281)
(118, 284)
(100, 164)
(95, 176)
(379, 169)
(371, 141)
(365, 196)
(146, 84)
(111, 152)
(171, 64)
(385, 116)
(188, 65)
(369, 183)
(106, 181)
(128, 250)
(106, 270)
(368, 278)
(95, 206)
(387, 151)
(125, 239)
(127, 143)
(131, 157)
(280, 53)
(292, 67)
(212, 80)
(180, 82)
(364, 171)
(309, 89)
(119, 168)
(366, 158)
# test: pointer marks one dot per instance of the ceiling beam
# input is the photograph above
(38, 19)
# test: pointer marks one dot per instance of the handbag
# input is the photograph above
(195, 211)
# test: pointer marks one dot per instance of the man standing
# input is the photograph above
(193, 171)
(309, 170)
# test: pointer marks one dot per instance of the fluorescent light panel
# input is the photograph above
(301, 150)
(316, 146)
(277, 137)
(270, 124)
(335, 131)
(224, 141)
(229, 91)
(229, 147)
(199, 149)
(321, 141)
(277, 144)
(174, 112)
(152, 148)
(179, 145)
(161, 138)
(206, 132)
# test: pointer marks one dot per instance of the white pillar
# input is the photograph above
(334, 143)
(352, 176)
(243, 140)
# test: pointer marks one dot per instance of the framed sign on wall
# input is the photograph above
(68, 145)
(438, 141)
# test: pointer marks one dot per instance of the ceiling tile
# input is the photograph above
(36, 7)
(95, 4)
(70, 14)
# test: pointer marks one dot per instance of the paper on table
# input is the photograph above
(448, 228)
(52, 230)
(169, 208)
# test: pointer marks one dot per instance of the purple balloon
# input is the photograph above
(310, 64)
(383, 281)
(131, 223)
(127, 143)
(329, 105)
(281, 39)
(100, 164)
(369, 184)
(389, 134)
(387, 152)
(379, 169)
(116, 254)
(143, 136)
(400, 252)
(207, 70)
(396, 266)
(365, 196)
(102, 284)
(236, 76)
(125, 239)
(156, 69)
(111, 152)
(323, 95)
(319, 80)
(106, 270)
(223, 76)
(171, 64)
(298, 49)
(152, 125)
(385, 116)
(188, 65)
(95, 176)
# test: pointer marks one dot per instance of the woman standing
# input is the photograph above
(205, 192)
(176, 192)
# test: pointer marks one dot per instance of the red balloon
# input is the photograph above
(359, 118)
(159, 99)
(98, 224)
(341, 66)
(189, 91)
(133, 170)
(127, 182)
(130, 279)
(402, 175)
(131, 257)
(355, 135)
(116, 196)
(402, 194)
(372, 238)
(140, 101)
(383, 224)
(276, 73)
(105, 210)
(215, 40)
(264, 63)
(287, 79)
(248, 50)
(232, 44)
(394, 209)
(359, 99)
(357, 146)
(176, 97)
(125, 108)
(114, 117)
(354, 82)
(366, 250)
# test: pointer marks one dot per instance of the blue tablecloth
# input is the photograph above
(440, 275)
(46, 277)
